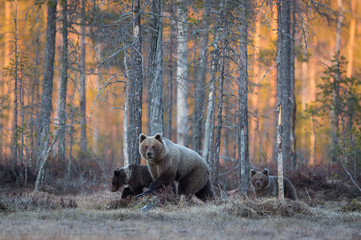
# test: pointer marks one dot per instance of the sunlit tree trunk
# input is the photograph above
(135, 89)
(156, 70)
(351, 43)
(243, 99)
(83, 126)
(47, 90)
(63, 84)
(182, 75)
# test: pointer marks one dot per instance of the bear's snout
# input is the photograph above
(149, 154)
(258, 184)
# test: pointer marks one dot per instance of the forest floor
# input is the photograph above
(103, 215)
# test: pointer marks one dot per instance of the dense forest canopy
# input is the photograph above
(80, 80)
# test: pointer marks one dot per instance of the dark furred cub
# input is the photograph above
(265, 185)
(135, 176)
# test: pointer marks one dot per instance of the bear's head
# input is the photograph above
(152, 148)
(259, 180)
(120, 178)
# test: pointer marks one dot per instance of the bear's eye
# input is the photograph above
(153, 147)
(146, 146)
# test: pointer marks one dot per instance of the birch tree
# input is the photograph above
(182, 74)
(156, 71)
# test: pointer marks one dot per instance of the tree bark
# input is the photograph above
(156, 70)
(135, 89)
(293, 159)
(200, 84)
(46, 97)
(63, 85)
(209, 126)
(83, 127)
(285, 76)
(182, 75)
(243, 99)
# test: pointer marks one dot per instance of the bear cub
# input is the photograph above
(135, 176)
(265, 185)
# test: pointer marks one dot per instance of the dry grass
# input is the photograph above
(104, 215)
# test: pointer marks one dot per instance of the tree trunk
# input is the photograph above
(63, 85)
(135, 89)
(200, 84)
(16, 69)
(351, 43)
(285, 76)
(209, 127)
(170, 71)
(46, 97)
(279, 151)
(255, 147)
(83, 127)
(156, 70)
(293, 159)
(182, 75)
(243, 99)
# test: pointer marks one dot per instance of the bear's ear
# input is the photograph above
(265, 172)
(116, 172)
(142, 137)
(253, 172)
(158, 137)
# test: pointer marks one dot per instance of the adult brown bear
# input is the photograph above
(168, 162)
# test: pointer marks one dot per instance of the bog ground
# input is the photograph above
(103, 215)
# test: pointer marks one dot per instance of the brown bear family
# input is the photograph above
(169, 162)
(265, 185)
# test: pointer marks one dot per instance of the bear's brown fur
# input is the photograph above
(169, 162)
(135, 176)
(265, 185)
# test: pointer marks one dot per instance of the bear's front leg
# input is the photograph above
(165, 179)
(126, 192)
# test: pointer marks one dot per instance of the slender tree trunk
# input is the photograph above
(63, 85)
(209, 127)
(256, 149)
(34, 90)
(182, 74)
(243, 99)
(351, 43)
(46, 97)
(279, 151)
(83, 127)
(285, 75)
(16, 80)
(293, 159)
(135, 89)
(200, 84)
(217, 140)
(170, 71)
(156, 84)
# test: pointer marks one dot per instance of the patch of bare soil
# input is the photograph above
(105, 216)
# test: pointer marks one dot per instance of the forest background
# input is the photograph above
(80, 80)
